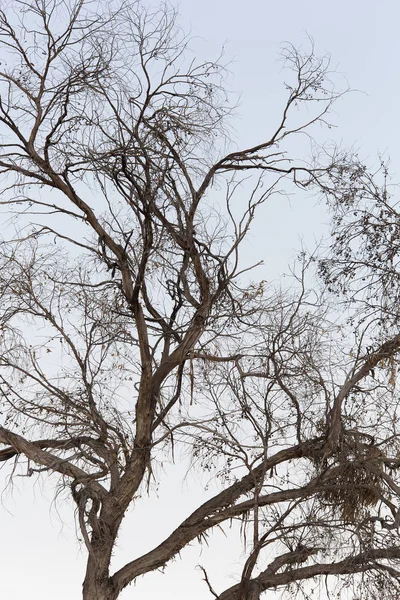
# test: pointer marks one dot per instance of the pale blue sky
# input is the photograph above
(38, 555)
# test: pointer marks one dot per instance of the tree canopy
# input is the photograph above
(134, 328)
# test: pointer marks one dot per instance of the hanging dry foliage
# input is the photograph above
(354, 484)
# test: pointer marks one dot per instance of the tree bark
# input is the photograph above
(98, 591)
(97, 586)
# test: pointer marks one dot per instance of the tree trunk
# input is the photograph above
(97, 584)
(96, 590)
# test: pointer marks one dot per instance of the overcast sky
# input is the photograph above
(39, 556)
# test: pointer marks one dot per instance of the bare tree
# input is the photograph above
(127, 212)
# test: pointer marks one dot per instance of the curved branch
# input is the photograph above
(364, 561)
(208, 515)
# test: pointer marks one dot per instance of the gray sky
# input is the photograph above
(39, 556)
